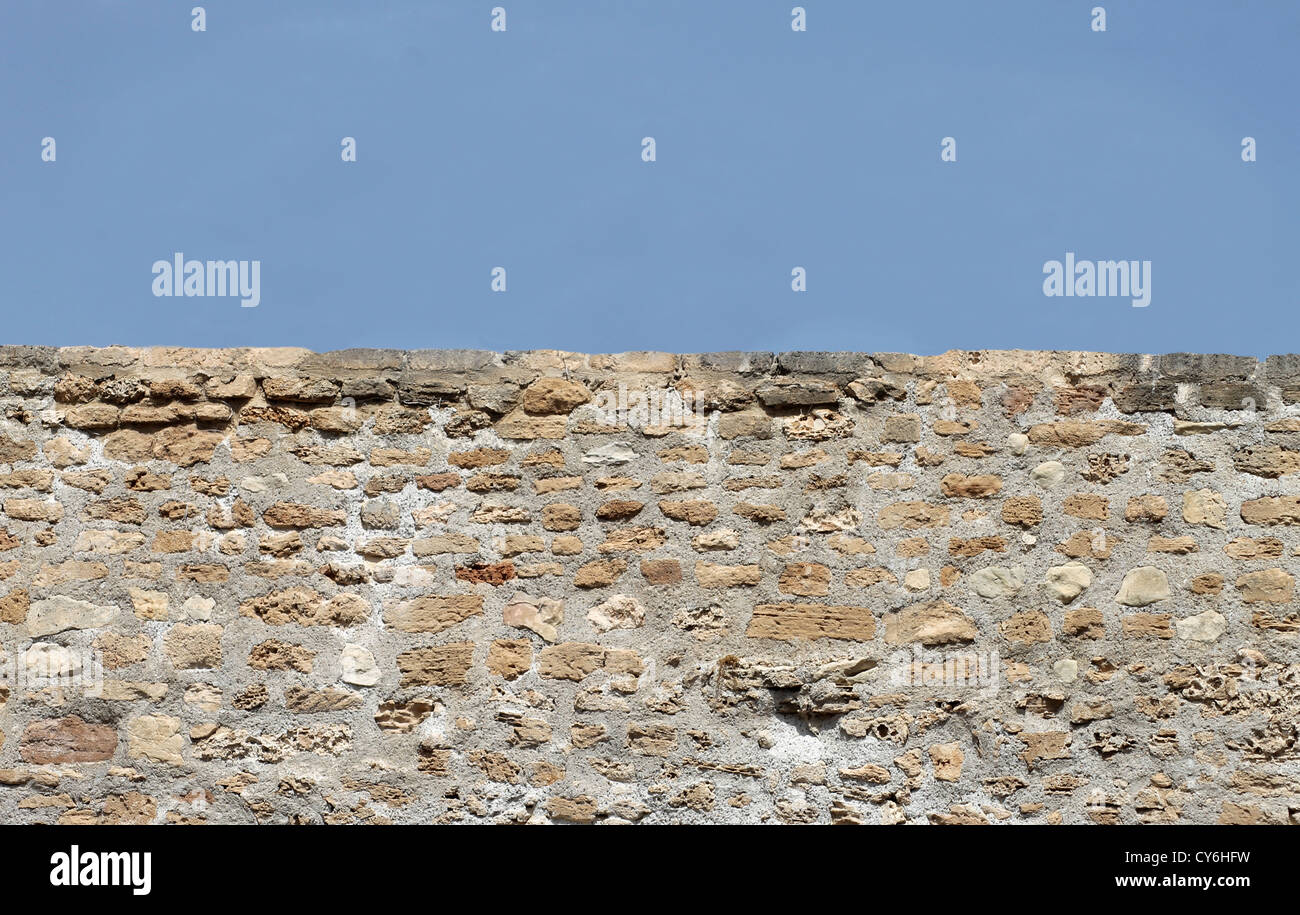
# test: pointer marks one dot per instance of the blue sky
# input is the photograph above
(775, 149)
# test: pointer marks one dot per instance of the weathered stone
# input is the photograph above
(933, 623)
(1272, 510)
(793, 394)
(996, 583)
(1204, 506)
(1273, 586)
(1202, 627)
(67, 740)
(1048, 474)
(1067, 582)
(618, 612)
(59, 614)
(433, 613)
(196, 646)
(1027, 627)
(1143, 586)
(540, 614)
(442, 665)
(554, 395)
(811, 621)
(156, 739)
(510, 658)
(956, 485)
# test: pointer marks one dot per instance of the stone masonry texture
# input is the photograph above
(381, 586)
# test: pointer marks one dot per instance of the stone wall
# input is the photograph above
(449, 586)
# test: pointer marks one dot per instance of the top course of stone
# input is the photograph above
(522, 364)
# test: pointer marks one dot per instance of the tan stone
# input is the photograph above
(433, 613)
(306, 607)
(1047, 745)
(193, 646)
(632, 540)
(186, 446)
(1272, 510)
(947, 760)
(52, 575)
(1146, 508)
(1087, 506)
(661, 571)
(912, 516)
(540, 614)
(274, 654)
(711, 575)
(155, 738)
(67, 740)
(1085, 622)
(560, 516)
(1081, 434)
(291, 514)
(1246, 548)
(811, 621)
(981, 486)
(1273, 586)
(1067, 582)
(1026, 511)
(599, 574)
(1202, 627)
(510, 658)
(868, 576)
(1148, 625)
(441, 665)
(518, 424)
(809, 579)
(570, 660)
(1027, 627)
(1209, 583)
(60, 613)
(33, 510)
(554, 395)
(619, 611)
(1143, 586)
(1204, 506)
(932, 623)
(117, 650)
(697, 512)
(996, 583)
(1179, 546)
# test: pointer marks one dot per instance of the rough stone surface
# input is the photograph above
(380, 586)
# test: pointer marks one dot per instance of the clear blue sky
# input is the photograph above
(775, 149)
